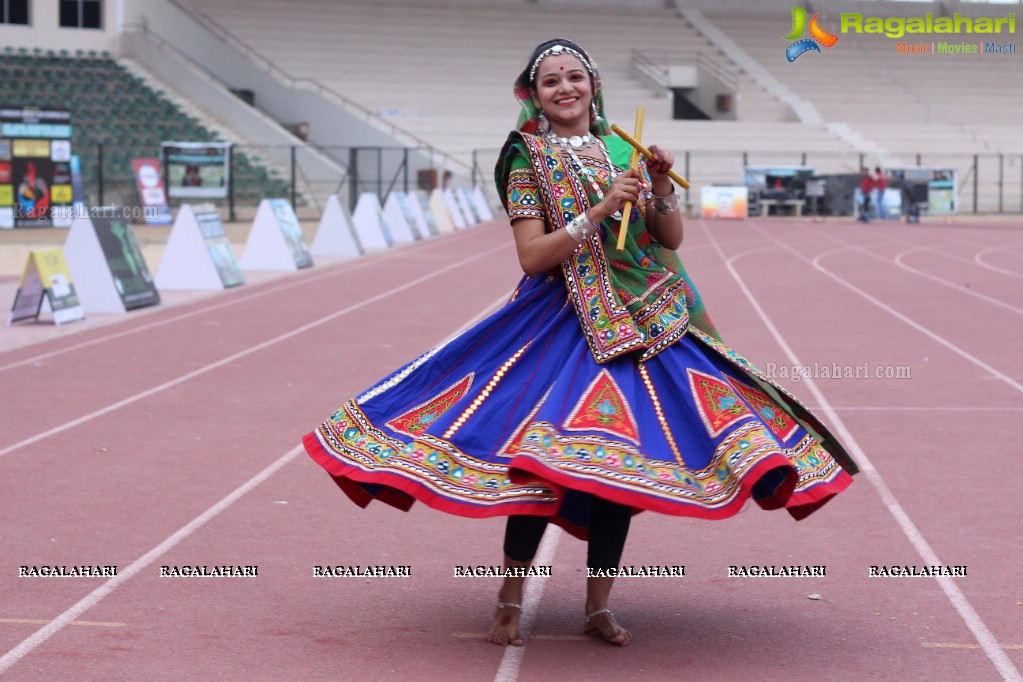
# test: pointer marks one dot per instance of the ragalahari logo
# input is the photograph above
(818, 36)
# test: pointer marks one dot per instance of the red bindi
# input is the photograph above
(562, 68)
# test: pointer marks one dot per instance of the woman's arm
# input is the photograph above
(666, 228)
(539, 250)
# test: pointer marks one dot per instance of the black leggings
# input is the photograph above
(609, 525)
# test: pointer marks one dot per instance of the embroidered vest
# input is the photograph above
(610, 328)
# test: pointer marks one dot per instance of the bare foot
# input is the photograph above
(602, 623)
(505, 629)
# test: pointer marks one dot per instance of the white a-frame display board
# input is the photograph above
(479, 202)
(424, 214)
(46, 282)
(455, 210)
(401, 227)
(335, 237)
(369, 222)
(110, 274)
(275, 241)
(441, 214)
(198, 253)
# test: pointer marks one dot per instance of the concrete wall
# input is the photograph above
(44, 30)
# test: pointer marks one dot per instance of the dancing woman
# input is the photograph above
(601, 389)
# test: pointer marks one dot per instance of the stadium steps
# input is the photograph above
(111, 105)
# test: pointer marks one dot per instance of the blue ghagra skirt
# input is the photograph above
(514, 416)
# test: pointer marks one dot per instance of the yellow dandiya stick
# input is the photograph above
(633, 164)
(682, 182)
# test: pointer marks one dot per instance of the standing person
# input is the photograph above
(880, 185)
(601, 389)
(866, 192)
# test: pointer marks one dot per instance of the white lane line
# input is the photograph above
(511, 661)
(69, 616)
(241, 354)
(267, 289)
(979, 259)
(898, 261)
(969, 615)
(892, 311)
(963, 259)
(88, 601)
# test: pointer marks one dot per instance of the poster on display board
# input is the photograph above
(275, 241)
(724, 202)
(46, 278)
(198, 254)
(35, 167)
(110, 272)
(941, 183)
(152, 195)
(196, 169)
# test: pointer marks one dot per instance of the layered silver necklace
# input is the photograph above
(585, 173)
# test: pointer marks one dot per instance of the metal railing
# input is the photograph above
(108, 178)
(989, 183)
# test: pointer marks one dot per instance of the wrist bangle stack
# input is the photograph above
(666, 204)
(581, 227)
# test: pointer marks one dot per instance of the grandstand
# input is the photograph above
(436, 77)
(117, 111)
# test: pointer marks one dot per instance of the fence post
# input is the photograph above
(380, 174)
(918, 158)
(292, 176)
(99, 171)
(804, 160)
(1001, 179)
(404, 171)
(475, 168)
(975, 182)
(230, 183)
(353, 177)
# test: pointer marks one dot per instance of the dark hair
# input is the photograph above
(523, 78)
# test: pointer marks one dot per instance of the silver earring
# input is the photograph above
(542, 124)
(596, 117)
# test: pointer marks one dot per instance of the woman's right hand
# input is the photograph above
(626, 187)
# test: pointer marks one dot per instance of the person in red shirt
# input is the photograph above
(866, 190)
(880, 184)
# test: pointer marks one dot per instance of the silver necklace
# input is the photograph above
(588, 174)
(576, 142)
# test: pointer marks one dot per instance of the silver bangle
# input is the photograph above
(666, 204)
(580, 227)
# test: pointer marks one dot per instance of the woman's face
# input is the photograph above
(563, 91)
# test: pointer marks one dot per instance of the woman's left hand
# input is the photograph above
(662, 162)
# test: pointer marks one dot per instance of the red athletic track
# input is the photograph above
(92, 472)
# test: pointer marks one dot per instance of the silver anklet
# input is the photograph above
(597, 613)
(502, 604)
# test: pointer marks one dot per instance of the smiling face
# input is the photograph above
(564, 92)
